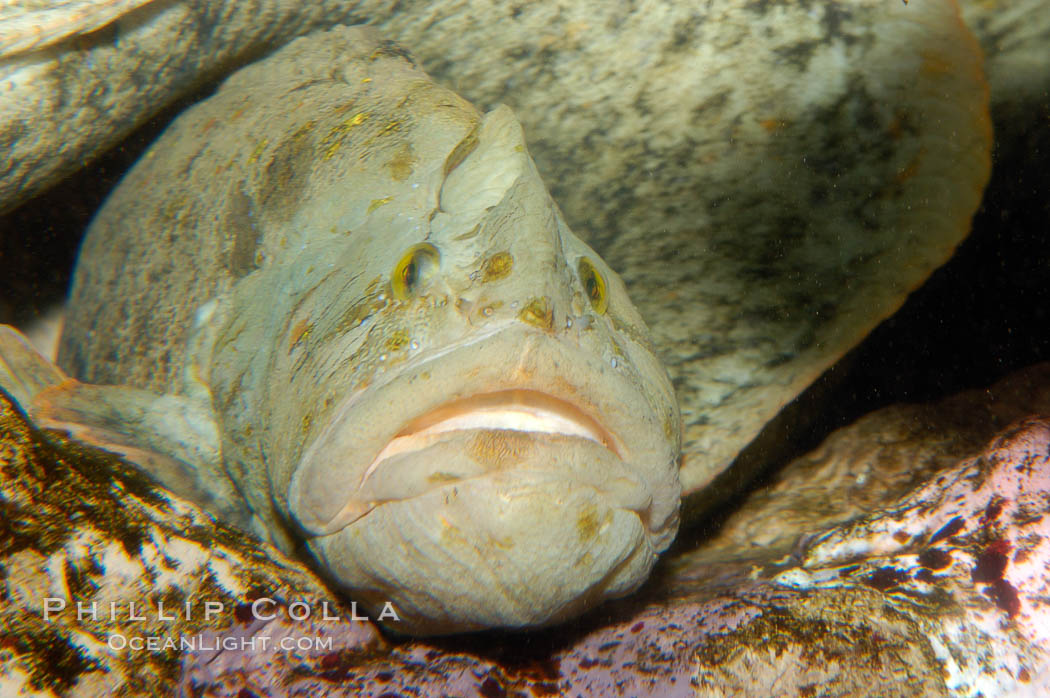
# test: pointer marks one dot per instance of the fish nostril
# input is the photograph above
(487, 311)
(464, 306)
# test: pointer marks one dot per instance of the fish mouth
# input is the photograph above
(513, 410)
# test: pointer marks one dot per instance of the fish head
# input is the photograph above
(502, 449)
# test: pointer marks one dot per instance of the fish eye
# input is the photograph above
(593, 284)
(414, 267)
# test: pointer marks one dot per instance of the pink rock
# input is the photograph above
(975, 539)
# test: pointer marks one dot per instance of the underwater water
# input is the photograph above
(977, 319)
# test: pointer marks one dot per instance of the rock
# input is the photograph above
(968, 551)
(89, 83)
(876, 460)
(80, 527)
(1014, 36)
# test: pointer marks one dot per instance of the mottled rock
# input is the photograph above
(937, 591)
(876, 460)
(965, 557)
(80, 95)
(79, 527)
(1014, 36)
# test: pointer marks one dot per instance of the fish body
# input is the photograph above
(336, 304)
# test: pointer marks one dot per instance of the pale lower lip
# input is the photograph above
(517, 410)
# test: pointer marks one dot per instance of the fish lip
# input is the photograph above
(546, 412)
(527, 358)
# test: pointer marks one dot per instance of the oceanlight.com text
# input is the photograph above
(201, 643)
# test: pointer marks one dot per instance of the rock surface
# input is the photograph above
(70, 99)
(1014, 36)
(79, 527)
(876, 460)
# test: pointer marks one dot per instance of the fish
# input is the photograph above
(770, 180)
(335, 305)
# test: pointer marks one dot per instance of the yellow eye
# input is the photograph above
(414, 268)
(593, 285)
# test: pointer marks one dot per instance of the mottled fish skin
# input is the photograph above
(335, 254)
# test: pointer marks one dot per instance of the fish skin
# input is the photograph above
(248, 258)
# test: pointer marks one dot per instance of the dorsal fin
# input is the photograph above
(478, 181)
